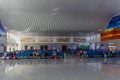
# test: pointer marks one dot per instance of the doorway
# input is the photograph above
(26, 47)
(31, 48)
(64, 47)
(5, 48)
(42, 47)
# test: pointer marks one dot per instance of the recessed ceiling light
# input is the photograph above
(55, 9)
(99, 30)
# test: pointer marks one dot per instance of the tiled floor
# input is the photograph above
(64, 69)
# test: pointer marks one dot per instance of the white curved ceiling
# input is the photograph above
(57, 15)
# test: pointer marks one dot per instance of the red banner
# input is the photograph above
(110, 34)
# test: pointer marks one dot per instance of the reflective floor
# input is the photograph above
(60, 69)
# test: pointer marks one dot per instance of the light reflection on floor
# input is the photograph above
(60, 69)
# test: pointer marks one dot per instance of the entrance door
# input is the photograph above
(41, 47)
(46, 47)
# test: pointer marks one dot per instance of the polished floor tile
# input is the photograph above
(60, 69)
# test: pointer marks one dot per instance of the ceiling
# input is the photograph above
(58, 16)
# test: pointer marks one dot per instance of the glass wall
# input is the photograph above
(3, 40)
(13, 42)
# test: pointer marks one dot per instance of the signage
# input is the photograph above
(46, 40)
(79, 39)
(111, 43)
(63, 39)
(27, 40)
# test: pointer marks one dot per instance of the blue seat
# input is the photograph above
(42, 52)
(60, 54)
(50, 53)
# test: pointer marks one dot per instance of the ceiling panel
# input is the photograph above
(35, 16)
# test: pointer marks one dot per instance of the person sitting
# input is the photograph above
(53, 56)
(85, 54)
(35, 54)
(31, 54)
(46, 54)
(78, 52)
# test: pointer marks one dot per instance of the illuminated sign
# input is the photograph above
(46, 40)
(111, 43)
(79, 39)
(63, 39)
(27, 40)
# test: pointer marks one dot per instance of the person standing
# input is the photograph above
(5, 55)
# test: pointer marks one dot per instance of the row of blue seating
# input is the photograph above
(27, 53)
(94, 53)
(90, 53)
